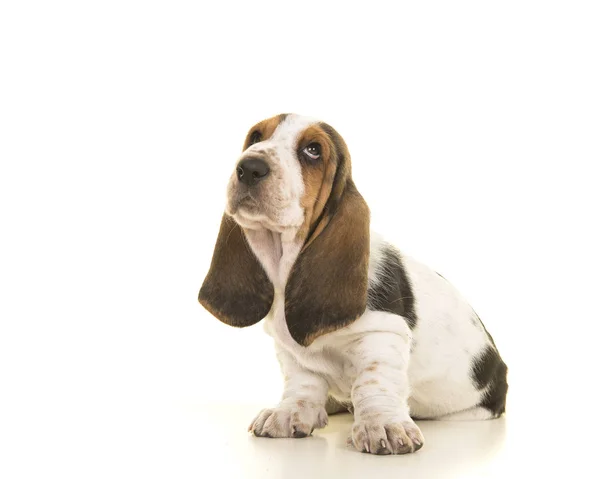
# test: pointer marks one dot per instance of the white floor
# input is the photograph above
(211, 441)
(194, 439)
(453, 449)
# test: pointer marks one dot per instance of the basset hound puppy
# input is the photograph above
(357, 325)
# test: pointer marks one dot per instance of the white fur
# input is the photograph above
(377, 364)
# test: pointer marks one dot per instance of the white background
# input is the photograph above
(474, 131)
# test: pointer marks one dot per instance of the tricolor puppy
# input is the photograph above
(357, 325)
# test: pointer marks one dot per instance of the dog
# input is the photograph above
(357, 325)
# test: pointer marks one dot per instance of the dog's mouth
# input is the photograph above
(244, 201)
(262, 206)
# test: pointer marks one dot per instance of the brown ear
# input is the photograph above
(236, 289)
(327, 287)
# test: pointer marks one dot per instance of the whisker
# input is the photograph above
(230, 231)
(400, 299)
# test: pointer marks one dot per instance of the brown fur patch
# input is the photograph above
(371, 381)
(236, 289)
(301, 403)
(372, 366)
(318, 177)
(265, 128)
(327, 287)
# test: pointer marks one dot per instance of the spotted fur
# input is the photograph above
(356, 324)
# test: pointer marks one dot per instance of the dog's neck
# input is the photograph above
(276, 251)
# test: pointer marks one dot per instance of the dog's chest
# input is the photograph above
(327, 361)
(277, 258)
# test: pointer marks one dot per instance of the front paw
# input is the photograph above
(297, 420)
(386, 436)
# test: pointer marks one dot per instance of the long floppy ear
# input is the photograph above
(327, 287)
(236, 289)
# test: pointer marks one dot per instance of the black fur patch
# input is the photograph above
(489, 371)
(393, 293)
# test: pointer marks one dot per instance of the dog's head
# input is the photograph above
(294, 176)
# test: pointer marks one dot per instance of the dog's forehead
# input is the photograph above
(286, 134)
(291, 128)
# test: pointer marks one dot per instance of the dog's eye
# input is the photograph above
(255, 137)
(313, 151)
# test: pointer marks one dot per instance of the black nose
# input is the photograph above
(251, 170)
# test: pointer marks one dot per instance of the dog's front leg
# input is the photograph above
(382, 423)
(302, 407)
